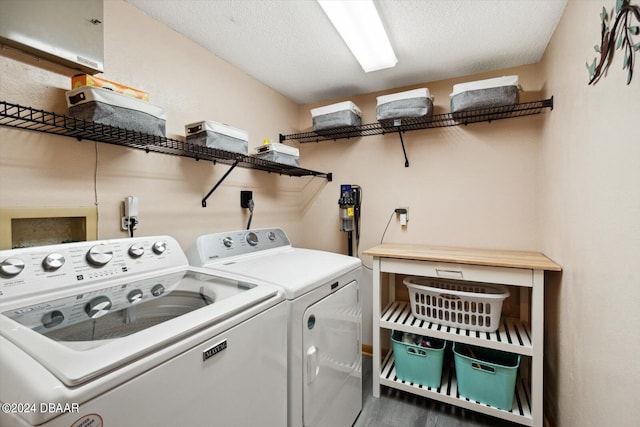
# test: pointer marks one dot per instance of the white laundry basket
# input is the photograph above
(474, 306)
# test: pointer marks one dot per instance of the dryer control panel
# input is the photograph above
(31, 271)
(214, 247)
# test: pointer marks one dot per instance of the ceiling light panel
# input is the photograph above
(360, 26)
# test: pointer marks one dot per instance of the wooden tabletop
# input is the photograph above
(490, 257)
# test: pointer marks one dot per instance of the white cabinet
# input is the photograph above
(68, 32)
(523, 335)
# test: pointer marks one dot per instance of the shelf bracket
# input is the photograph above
(204, 200)
(406, 160)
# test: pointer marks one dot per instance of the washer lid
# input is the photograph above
(296, 270)
(83, 335)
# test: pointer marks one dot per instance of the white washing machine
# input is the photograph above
(325, 317)
(125, 333)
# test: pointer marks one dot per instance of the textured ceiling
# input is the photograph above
(291, 46)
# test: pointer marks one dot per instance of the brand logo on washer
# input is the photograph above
(212, 351)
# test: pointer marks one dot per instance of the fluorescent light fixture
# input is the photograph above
(361, 28)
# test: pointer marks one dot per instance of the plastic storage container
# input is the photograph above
(218, 135)
(342, 114)
(115, 109)
(485, 375)
(461, 304)
(415, 363)
(279, 153)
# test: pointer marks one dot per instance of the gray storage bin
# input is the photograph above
(415, 103)
(115, 109)
(219, 136)
(279, 153)
(342, 114)
(485, 98)
(489, 93)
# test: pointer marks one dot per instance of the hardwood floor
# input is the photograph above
(396, 408)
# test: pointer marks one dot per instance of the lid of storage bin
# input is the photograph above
(211, 126)
(415, 93)
(278, 147)
(90, 80)
(485, 84)
(340, 106)
(85, 94)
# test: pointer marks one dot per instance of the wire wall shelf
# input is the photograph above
(27, 118)
(435, 121)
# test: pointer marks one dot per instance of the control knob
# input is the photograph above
(99, 306)
(100, 255)
(11, 267)
(252, 238)
(157, 290)
(136, 251)
(159, 247)
(52, 318)
(135, 296)
(227, 242)
(271, 236)
(53, 262)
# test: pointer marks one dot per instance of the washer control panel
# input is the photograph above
(28, 271)
(50, 315)
(212, 247)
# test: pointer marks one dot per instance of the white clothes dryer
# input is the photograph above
(325, 317)
(125, 333)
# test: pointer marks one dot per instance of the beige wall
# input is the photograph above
(472, 185)
(38, 170)
(589, 212)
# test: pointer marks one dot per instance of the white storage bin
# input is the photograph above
(461, 304)
(489, 93)
(218, 135)
(342, 114)
(409, 104)
(279, 153)
(115, 109)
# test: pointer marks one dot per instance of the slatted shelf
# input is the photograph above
(448, 393)
(513, 335)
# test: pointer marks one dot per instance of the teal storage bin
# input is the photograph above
(485, 375)
(416, 364)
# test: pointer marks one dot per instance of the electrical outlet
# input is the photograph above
(126, 221)
(130, 218)
(404, 210)
(245, 197)
(403, 215)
